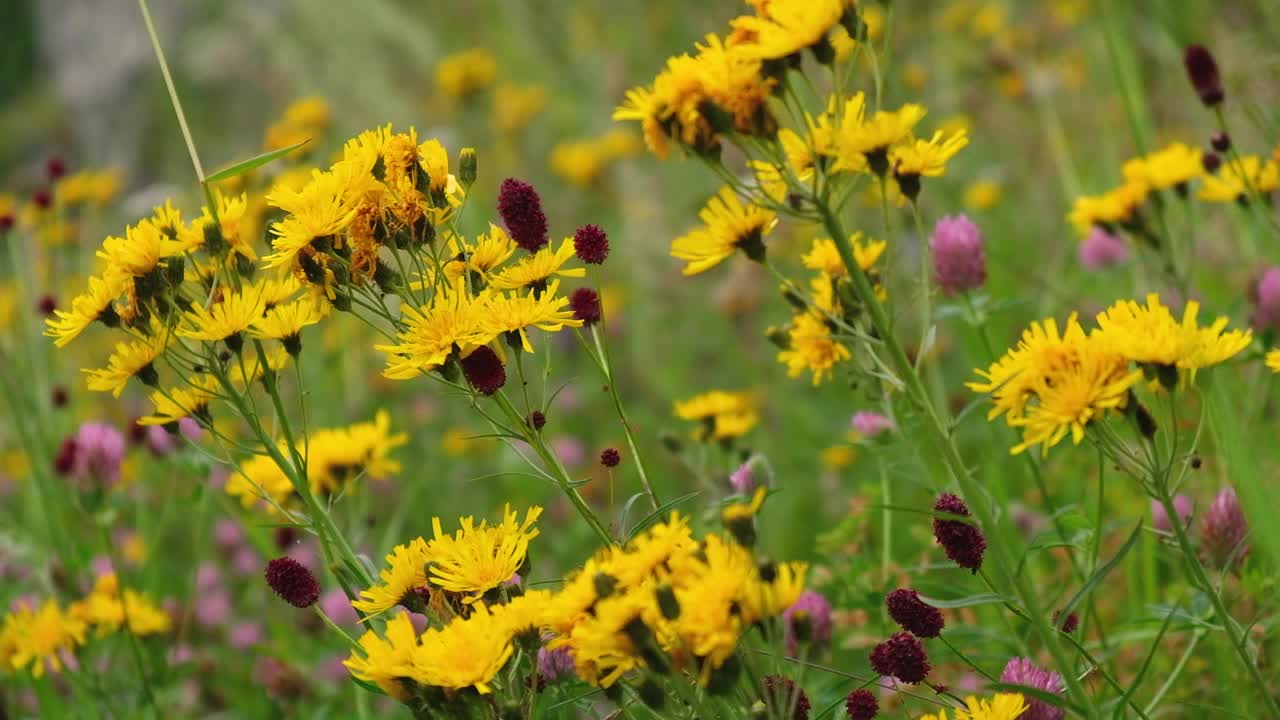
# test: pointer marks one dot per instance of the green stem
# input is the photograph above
(1200, 579)
(134, 645)
(940, 434)
(606, 368)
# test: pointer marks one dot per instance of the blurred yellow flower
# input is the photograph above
(982, 195)
(465, 73)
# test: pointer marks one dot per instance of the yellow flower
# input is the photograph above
(538, 268)
(1115, 207)
(728, 225)
(224, 319)
(39, 638)
(140, 251)
(772, 179)
(406, 571)
(927, 158)
(643, 105)
(285, 322)
(1173, 166)
(514, 106)
(176, 403)
(1273, 360)
(483, 257)
(94, 304)
(811, 347)
(431, 332)
(98, 187)
(579, 162)
(982, 195)
(322, 208)
(715, 402)
(739, 512)
(387, 663)
(785, 27)
(465, 653)
(503, 313)
(1042, 348)
(732, 79)
(475, 560)
(1233, 180)
(131, 359)
(1072, 395)
(104, 609)
(337, 456)
(868, 142)
(1002, 706)
(260, 479)
(824, 257)
(1150, 335)
(435, 160)
(465, 73)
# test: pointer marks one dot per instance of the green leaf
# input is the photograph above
(1101, 573)
(660, 512)
(252, 163)
(967, 601)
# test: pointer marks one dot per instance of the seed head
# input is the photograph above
(292, 581)
(484, 371)
(908, 610)
(585, 304)
(610, 457)
(861, 705)
(521, 209)
(591, 244)
(901, 656)
(962, 542)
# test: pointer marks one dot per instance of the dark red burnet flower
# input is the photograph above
(484, 370)
(1070, 624)
(908, 610)
(585, 304)
(610, 457)
(861, 705)
(521, 209)
(782, 693)
(537, 419)
(902, 657)
(963, 542)
(591, 244)
(7, 221)
(1202, 70)
(42, 199)
(292, 581)
(46, 305)
(59, 396)
(1211, 161)
(65, 459)
(55, 168)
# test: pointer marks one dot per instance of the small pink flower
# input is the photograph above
(959, 263)
(228, 534)
(1266, 299)
(569, 449)
(743, 479)
(208, 577)
(337, 606)
(1100, 249)
(870, 424)
(213, 609)
(1160, 519)
(246, 562)
(244, 635)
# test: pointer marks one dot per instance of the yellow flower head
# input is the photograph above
(337, 456)
(104, 609)
(812, 347)
(39, 638)
(514, 313)
(224, 319)
(1173, 166)
(1149, 334)
(1115, 207)
(514, 106)
(824, 257)
(432, 332)
(868, 142)
(1273, 360)
(1002, 706)
(729, 225)
(1233, 179)
(927, 158)
(475, 560)
(468, 652)
(260, 479)
(94, 304)
(406, 571)
(130, 359)
(785, 27)
(320, 209)
(387, 663)
(465, 73)
(538, 268)
(285, 322)
(176, 403)
(1041, 350)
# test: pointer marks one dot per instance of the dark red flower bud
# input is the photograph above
(59, 396)
(1220, 142)
(537, 419)
(42, 199)
(46, 305)
(1211, 161)
(521, 209)
(585, 304)
(591, 244)
(484, 371)
(901, 656)
(55, 168)
(908, 610)
(66, 457)
(292, 581)
(861, 705)
(610, 457)
(1202, 70)
(963, 542)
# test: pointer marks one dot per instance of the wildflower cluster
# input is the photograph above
(45, 638)
(1062, 380)
(663, 603)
